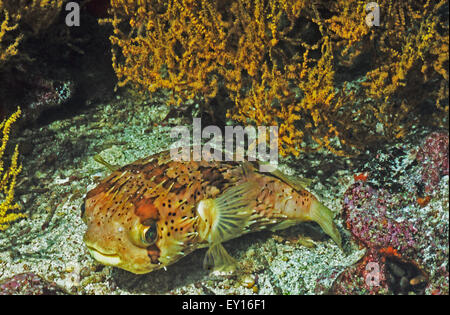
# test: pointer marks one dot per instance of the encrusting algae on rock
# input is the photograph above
(156, 210)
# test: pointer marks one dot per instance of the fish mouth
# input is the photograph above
(104, 258)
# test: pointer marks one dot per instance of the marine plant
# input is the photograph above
(8, 47)
(21, 23)
(8, 208)
(314, 68)
(20, 18)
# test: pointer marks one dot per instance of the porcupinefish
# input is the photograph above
(156, 210)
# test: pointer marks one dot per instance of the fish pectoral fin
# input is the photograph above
(295, 182)
(228, 216)
(218, 259)
(230, 212)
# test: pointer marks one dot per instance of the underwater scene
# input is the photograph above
(224, 147)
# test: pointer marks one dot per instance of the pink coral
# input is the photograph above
(366, 277)
(368, 216)
(408, 238)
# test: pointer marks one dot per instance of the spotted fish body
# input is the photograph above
(150, 213)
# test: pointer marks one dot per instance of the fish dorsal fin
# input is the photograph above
(224, 218)
(98, 158)
(295, 182)
(247, 169)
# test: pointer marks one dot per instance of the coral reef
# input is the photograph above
(58, 169)
(301, 65)
(406, 237)
(8, 208)
(365, 106)
(368, 218)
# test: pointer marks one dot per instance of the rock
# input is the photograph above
(407, 239)
(29, 284)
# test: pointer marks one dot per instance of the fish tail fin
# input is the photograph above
(324, 217)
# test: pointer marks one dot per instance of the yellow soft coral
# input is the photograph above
(8, 48)
(8, 208)
(38, 15)
(279, 62)
(17, 15)
(410, 61)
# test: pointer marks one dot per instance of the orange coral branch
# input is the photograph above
(278, 62)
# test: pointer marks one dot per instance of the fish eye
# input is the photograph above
(144, 234)
(150, 233)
